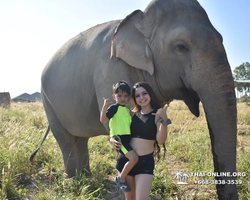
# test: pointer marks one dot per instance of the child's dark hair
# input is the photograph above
(121, 86)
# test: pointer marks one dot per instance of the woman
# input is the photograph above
(148, 130)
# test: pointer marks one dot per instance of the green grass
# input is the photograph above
(23, 125)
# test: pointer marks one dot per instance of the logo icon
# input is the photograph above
(182, 177)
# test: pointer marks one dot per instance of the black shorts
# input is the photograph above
(145, 164)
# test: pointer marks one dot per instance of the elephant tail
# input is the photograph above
(44, 137)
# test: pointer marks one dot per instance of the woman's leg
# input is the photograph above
(131, 182)
(143, 184)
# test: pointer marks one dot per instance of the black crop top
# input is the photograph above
(143, 126)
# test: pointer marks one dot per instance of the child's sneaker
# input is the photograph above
(124, 186)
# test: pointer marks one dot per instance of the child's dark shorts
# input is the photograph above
(125, 146)
(145, 164)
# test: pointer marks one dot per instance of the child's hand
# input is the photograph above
(106, 102)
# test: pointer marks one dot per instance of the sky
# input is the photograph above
(32, 31)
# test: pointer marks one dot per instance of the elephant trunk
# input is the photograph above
(219, 102)
(221, 122)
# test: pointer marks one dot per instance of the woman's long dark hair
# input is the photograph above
(155, 104)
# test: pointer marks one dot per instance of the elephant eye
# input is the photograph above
(181, 48)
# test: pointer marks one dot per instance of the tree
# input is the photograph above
(242, 72)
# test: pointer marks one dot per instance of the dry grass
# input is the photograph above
(23, 125)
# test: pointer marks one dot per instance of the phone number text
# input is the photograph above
(218, 182)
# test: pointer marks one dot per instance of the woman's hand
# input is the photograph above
(162, 113)
(115, 144)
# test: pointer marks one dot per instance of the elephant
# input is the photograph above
(173, 46)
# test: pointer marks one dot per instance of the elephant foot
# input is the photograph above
(78, 174)
(86, 172)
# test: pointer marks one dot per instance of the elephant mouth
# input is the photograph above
(192, 100)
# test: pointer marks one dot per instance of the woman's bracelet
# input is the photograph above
(165, 123)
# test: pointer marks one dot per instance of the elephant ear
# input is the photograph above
(130, 44)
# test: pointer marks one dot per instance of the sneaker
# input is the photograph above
(123, 186)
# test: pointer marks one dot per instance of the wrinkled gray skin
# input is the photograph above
(173, 46)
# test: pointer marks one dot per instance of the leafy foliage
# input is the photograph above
(242, 72)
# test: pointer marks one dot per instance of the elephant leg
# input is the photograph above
(74, 149)
(82, 155)
(75, 154)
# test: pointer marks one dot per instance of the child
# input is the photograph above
(119, 124)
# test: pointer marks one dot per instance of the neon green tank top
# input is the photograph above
(119, 124)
